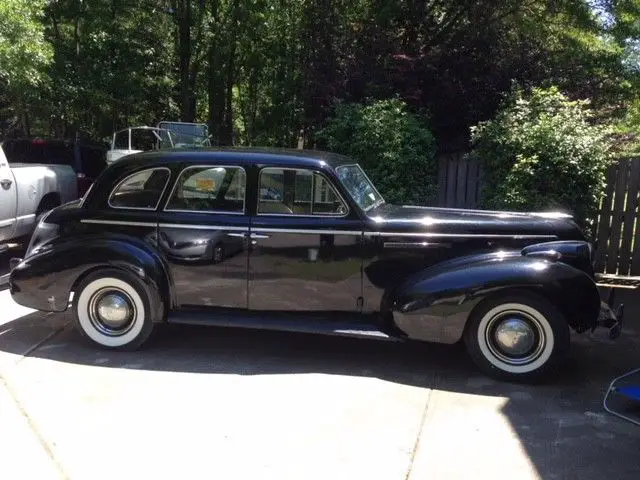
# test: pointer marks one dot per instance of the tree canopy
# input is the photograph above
(270, 72)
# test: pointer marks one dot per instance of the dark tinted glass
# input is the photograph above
(141, 190)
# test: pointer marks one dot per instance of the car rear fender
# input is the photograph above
(45, 280)
(435, 304)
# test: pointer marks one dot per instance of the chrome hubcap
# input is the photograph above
(112, 311)
(515, 337)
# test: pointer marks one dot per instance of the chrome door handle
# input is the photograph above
(237, 235)
(5, 182)
(257, 235)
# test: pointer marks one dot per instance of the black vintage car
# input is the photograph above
(302, 241)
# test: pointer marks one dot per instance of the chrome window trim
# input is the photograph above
(216, 212)
(297, 215)
(148, 209)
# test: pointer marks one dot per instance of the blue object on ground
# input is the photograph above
(629, 391)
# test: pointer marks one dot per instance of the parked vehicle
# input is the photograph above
(87, 159)
(28, 191)
(326, 254)
(165, 135)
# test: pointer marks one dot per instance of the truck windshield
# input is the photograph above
(359, 186)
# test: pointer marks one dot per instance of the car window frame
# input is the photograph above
(146, 209)
(216, 212)
(312, 215)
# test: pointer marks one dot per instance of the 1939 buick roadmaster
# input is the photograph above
(302, 241)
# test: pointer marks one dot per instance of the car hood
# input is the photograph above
(408, 218)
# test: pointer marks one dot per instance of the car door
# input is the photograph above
(203, 234)
(8, 199)
(305, 244)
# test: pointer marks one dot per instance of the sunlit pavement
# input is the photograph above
(228, 404)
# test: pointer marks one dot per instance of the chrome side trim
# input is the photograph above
(318, 231)
(416, 245)
(118, 222)
(191, 226)
(295, 230)
(458, 235)
(475, 211)
(166, 184)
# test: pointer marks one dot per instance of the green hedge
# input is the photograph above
(543, 151)
(393, 145)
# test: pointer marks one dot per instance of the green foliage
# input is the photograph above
(542, 151)
(262, 72)
(394, 146)
(23, 50)
(24, 57)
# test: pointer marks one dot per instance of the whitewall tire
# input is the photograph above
(517, 337)
(112, 310)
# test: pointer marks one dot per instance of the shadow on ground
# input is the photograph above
(561, 424)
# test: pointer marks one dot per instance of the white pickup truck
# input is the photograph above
(28, 191)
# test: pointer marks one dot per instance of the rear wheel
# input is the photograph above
(112, 310)
(517, 337)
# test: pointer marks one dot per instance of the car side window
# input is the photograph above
(219, 189)
(291, 191)
(141, 190)
(121, 141)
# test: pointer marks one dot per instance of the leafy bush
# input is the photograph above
(542, 151)
(394, 147)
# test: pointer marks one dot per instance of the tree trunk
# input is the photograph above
(216, 94)
(187, 98)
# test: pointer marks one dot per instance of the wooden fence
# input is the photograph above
(459, 181)
(617, 232)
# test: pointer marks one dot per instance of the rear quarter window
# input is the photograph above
(141, 190)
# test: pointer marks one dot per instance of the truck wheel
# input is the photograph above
(517, 337)
(112, 310)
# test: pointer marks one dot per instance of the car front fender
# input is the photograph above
(435, 304)
(45, 280)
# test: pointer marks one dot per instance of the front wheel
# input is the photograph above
(517, 337)
(112, 310)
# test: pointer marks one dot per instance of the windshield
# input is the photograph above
(359, 186)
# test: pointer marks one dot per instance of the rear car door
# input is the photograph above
(305, 244)
(203, 234)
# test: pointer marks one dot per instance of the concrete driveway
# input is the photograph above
(240, 404)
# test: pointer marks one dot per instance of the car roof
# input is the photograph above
(261, 155)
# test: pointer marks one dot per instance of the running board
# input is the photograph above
(279, 322)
